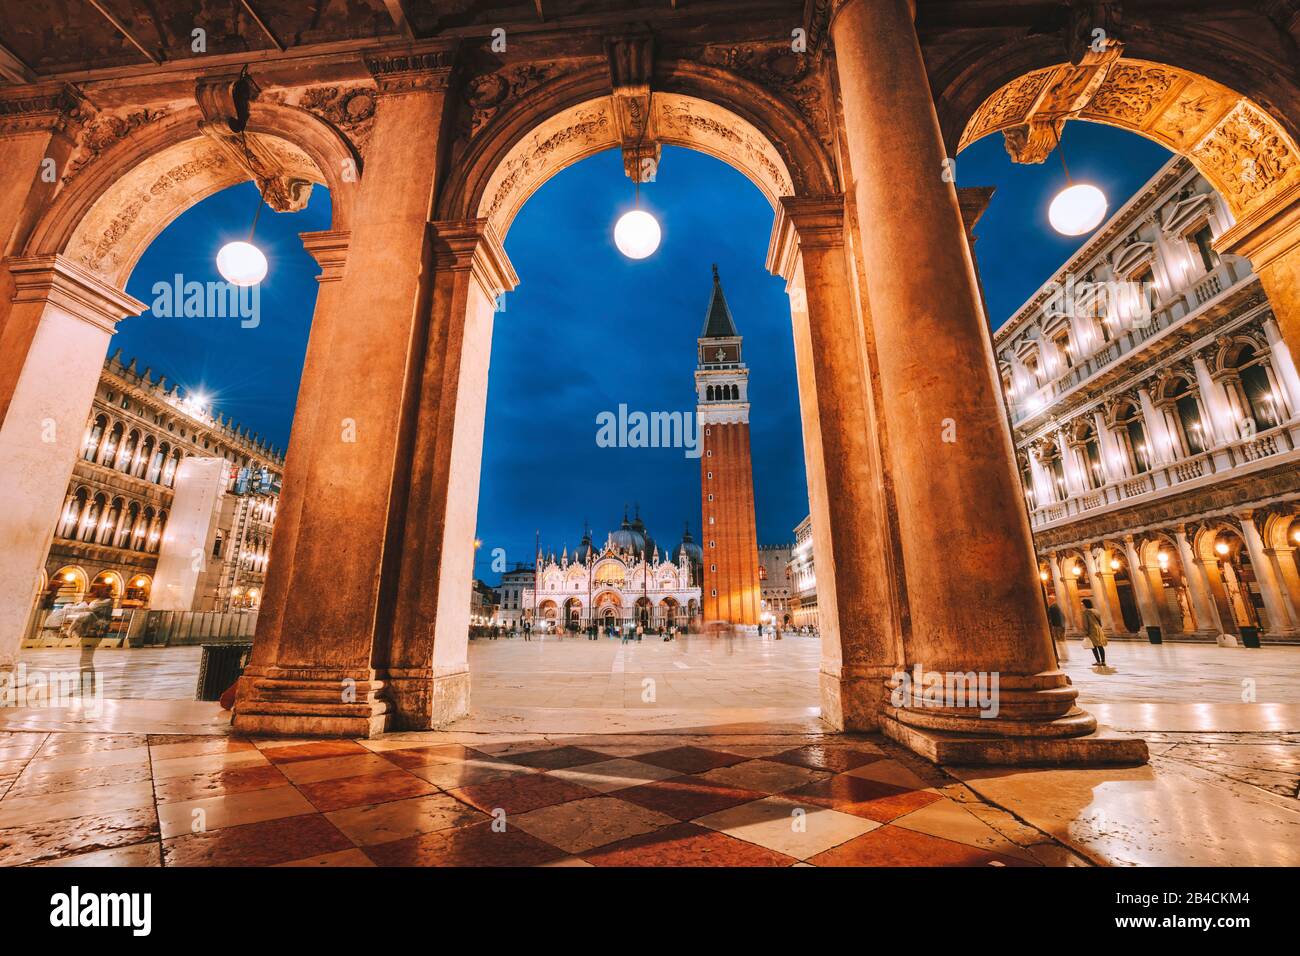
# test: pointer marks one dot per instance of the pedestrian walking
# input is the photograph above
(1094, 638)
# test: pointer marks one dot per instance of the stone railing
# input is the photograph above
(1167, 478)
(1224, 278)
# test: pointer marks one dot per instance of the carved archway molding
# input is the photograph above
(564, 120)
(114, 201)
(1242, 150)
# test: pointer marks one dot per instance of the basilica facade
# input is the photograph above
(625, 581)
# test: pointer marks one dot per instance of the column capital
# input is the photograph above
(74, 289)
(814, 222)
(414, 72)
(330, 250)
(46, 107)
(473, 245)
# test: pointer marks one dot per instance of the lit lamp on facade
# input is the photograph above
(1077, 570)
(1114, 564)
(1221, 548)
(1042, 576)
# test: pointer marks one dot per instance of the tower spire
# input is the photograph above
(718, 323)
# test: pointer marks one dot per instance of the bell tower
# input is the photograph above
(730, 541)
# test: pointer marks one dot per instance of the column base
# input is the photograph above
(423, 700)
(852, 699)
(311, 702)
(1095, 749)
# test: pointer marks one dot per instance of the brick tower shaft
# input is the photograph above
(730, 541)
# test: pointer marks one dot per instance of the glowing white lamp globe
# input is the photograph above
(241, 263)
(637, 234)
(1077, 210)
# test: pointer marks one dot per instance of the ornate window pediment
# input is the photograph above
(1187, 214)
(1132, 257)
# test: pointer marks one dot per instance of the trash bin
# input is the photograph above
(1249, 636)
(1153, 634)
(220, 667)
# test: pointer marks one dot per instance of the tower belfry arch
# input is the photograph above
(430, 141)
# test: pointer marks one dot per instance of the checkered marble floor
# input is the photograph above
(438, 799)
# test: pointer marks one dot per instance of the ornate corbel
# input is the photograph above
(1093, 33)
(1093, 45)
(225, 102)
(631, 65)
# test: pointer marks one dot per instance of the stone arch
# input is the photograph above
(108, 212)
(1247, 153)
(567, 119)
(1278, 529)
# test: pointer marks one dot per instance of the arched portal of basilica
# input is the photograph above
(626, 581)
(430, 133)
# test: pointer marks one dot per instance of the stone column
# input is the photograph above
(1283, 364)
(63, 316)
(1284, 564)
(1160, 445)
(36, 139)
(1137, 576)
(317, 674)
(330, 250)
(860, 646)
(1207, 614)
(1279, 620)
(426, 661)
(969, 566)
(1220, 421)
(1099, 578)
(1063, 599)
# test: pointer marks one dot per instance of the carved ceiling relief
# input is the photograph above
(128, 215)
(1006, 107)
(1242, 150)
(485, 95)
(1131, 92)
(795, 77)
(1247, 157)
(541, 154)
(729, 137)
(350, 109)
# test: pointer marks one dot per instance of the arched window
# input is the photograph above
(140, 541)
(90, 520)
(143, 457)
(169, 469)
(1188, 414)
(710, 393)
(1132, 431)
(128, 526)
(93, 437)
(1256, 389)
(156, 463)
(109, 523)
(1091, 449)
(108, 454)
(72, 515)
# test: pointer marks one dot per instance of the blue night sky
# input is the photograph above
(588, 329)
